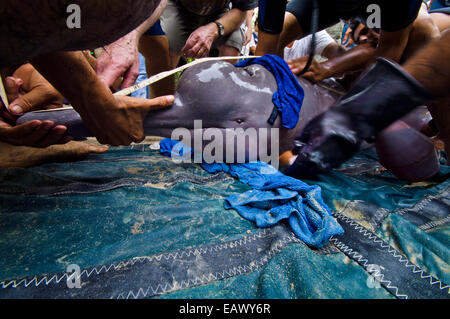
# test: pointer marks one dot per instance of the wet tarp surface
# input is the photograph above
(140, 226)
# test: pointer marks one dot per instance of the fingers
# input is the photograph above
(12, 87)
(7, 116)
(54, 136)
(34, 133)
(129, 120)
(92, 61)
(191, 52)
(43, 135)
(19, 131)
(297, 65)
(131, 74)
(147, 105)
(32, 100)
(195, 48)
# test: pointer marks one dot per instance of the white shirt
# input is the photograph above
(302, 47)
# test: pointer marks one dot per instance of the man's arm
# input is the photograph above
(354, 59)
(114, 120)
(199, 42)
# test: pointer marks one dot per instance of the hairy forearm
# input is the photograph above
(232, 20)
(72, 75)
(29, 28)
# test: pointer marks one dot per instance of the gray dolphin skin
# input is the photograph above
(225, 98)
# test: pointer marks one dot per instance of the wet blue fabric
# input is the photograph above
(274, 197)
(289, 97)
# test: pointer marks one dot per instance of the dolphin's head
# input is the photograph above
(231, 102)
(222, 96)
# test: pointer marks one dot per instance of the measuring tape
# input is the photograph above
(159, 77)
(165, 74)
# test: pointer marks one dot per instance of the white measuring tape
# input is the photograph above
(165, 74)
(159, 77)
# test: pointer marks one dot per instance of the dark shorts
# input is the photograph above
(155, 29)
(395, 15)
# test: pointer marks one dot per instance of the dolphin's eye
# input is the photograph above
(250, 71)
(240, 121)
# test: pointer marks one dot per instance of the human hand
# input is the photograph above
(316, 72)
(199, 42)
(120, 59)
(28, 91)
(119, 121)
(33, 133)
(29, 94)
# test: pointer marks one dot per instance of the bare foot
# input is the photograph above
(24, 156)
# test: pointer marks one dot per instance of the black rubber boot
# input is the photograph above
(383, 95)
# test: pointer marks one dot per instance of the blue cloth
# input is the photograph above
(289, 97)
(344, 31)
(274, 197)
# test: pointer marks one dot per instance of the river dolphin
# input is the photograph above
(225, 98)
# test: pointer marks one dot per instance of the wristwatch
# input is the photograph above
(221, 28)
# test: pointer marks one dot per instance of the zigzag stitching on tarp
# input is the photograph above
(435, 223)
(363, 261)
(173, 255)
(400, 258)
(424, 202)
(37, 281)
(210, 277)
